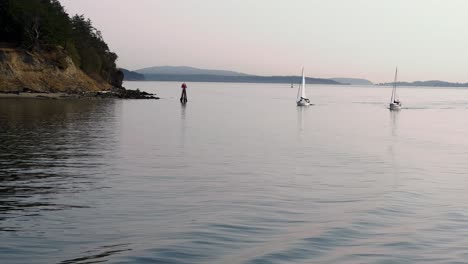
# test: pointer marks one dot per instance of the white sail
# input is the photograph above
(303, 95)
(394, 95)
(299, 93)
(302, 99)
(395, 103)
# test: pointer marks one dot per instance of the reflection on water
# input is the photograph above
(183, 108)
(52, 151)
(393, 149)
(49, 147)
(300, 120)
(394, 122)
(183, 127)
(225, 179)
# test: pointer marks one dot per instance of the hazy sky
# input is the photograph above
(426, 39)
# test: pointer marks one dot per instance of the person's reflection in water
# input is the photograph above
(183, 125)
(182, 112)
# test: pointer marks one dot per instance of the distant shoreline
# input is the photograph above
(426, 84)
(295, 84)
(4, 95)
(235, 79)
(118, 93)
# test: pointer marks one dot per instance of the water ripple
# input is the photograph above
(109, 181)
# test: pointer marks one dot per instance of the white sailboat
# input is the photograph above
(302, 99)
(395, 103)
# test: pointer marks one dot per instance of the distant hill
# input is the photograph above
(132, 76)
(191, 74)
(235, 79)
(434, 83)
(185, 70)
(353, 81)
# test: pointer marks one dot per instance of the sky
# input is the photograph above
(426, 39)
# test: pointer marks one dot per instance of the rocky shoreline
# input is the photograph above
(123, 93)
(116, 93)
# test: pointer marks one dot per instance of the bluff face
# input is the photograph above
(46, 71)
(43, 49)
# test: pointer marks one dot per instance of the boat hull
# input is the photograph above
(395, 106)
(303, 103)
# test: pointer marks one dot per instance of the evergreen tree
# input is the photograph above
(44, 24)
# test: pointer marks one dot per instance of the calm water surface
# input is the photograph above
(239, 175)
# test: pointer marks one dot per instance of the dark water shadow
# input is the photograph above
(183, 108)
(49, 147)
(99, 255)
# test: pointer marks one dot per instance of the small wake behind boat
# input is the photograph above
(302, 99)
(395, 103)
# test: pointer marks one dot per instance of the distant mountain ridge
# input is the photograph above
(236, 79)
(191, 74)
(353, 81)
(185, 70)
(432, 83)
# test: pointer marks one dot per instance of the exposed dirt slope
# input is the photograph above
(51, 71)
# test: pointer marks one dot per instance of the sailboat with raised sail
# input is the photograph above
(395, 103)
(302, 99)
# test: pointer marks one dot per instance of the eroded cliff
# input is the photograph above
(44, 71)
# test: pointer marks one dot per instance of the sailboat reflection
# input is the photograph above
(392, 149)
(394, 122)
(183, 126)
(300, 120)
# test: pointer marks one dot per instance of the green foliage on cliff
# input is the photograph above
(44, 24)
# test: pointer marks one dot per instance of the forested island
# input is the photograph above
(237, 79)
(132, 76)
(43, 49)
(191, 74)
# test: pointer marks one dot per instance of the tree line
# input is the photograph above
(44, 24)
